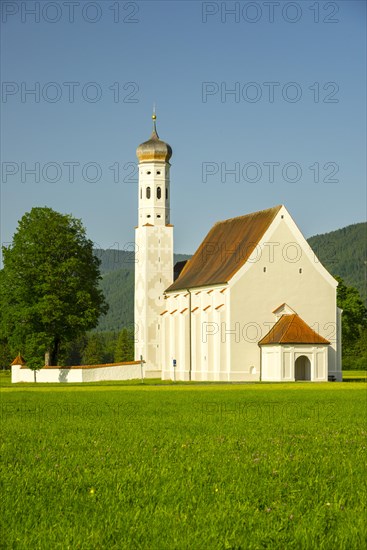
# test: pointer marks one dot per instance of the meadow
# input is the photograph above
(164, 466)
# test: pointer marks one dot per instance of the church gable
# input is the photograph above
(225, 249)
(283, 244)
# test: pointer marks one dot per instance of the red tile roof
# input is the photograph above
(225, 249)
(291, 329)
(19, 360)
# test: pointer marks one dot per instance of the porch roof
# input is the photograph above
(291, 329)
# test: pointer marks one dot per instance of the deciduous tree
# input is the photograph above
(49, 285)
(354, 317)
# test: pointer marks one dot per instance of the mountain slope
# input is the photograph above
(343, 253)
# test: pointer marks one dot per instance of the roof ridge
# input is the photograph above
(278, 206)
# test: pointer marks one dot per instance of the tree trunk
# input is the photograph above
(47, 358)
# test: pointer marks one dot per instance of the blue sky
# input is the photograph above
(292, 131)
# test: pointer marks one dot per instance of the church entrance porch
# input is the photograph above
(302, 368)
(289, 363)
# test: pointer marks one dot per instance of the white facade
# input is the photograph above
(96, 373)
(153, 250)
(217, 337)
(288, 363)
(206, 312)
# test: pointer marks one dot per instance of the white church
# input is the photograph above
(253, 303)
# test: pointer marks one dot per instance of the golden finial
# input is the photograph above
(154, 124)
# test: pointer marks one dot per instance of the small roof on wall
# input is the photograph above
(291, 329)
(19, 360)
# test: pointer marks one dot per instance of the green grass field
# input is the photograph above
(355, 375)
(216, 466)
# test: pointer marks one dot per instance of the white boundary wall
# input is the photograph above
(127, 371)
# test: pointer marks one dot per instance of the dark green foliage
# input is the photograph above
(354, 327)
(6, 357)
(109, 345)
(94, 351)
(92, 348)
(343, 253)
(118, 288)
(49, 285)
(71, 353)
(124, 350)
(114, 259)
(354, 313)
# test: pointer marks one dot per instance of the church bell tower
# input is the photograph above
(153, 249)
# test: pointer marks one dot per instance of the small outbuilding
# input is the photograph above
(293, 351)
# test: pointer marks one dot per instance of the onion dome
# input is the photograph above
(154, 149)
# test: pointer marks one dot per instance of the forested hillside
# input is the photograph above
(342, 252)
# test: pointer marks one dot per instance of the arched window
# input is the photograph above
(148, 192)
(159, 192)
(166, 193)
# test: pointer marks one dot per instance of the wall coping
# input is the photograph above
(76, 367)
